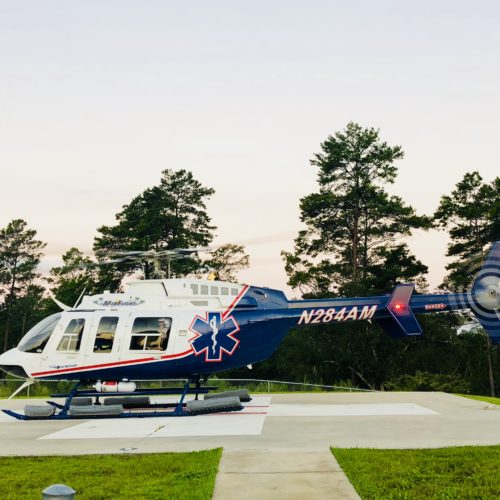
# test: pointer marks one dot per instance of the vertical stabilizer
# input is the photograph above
(402, 322)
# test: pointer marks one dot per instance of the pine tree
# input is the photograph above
(471, 214)
(227, 260)
(353, 224)
(168, 216)
(75, 275)
(20, 255)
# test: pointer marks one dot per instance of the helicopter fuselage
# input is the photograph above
(182, 328)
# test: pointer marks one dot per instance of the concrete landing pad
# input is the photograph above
(247, 422)
(299, 422)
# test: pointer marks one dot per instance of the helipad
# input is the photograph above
(284, 421)
(274, 438)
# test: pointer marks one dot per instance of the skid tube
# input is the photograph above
(155, 410)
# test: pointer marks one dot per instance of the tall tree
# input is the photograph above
(352, 246)
(353, 224)
(164, 217)
(20, 255)
(75, 275)
(227, 260)
(471, 214)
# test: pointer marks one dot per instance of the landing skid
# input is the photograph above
(67, 411)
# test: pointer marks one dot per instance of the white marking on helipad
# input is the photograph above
(352, 410)
(247, 422)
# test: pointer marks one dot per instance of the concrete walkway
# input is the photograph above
(278, 475)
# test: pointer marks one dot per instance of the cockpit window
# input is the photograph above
(36, 339)
(72, 337)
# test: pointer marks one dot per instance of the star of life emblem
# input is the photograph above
(214, 336)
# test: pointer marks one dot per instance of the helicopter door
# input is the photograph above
(104, 338)
(67, 344)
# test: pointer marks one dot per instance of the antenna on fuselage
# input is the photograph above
(79, 298)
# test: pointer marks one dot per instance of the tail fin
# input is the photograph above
(485, 294)
(402, 322)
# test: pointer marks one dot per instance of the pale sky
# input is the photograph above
(97, 97)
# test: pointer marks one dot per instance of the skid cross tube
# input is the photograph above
(67, 404)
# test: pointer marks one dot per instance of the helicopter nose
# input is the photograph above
(11, 366)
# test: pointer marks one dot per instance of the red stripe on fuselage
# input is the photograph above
(229, 310)
(116, 363)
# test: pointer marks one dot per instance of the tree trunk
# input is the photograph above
(360, 376)
(23, 327)
(6, 337)
(7, 327)
(490, 366)
(9, 309)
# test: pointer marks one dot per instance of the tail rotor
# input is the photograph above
(484, 296)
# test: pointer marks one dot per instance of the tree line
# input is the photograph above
(354, 243)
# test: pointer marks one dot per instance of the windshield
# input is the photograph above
(37, 337)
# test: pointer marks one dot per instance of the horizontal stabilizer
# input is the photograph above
(402, 321)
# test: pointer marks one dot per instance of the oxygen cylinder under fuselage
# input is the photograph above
(115, 386)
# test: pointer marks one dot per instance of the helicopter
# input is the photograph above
(168, 328)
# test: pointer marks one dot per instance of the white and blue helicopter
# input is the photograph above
(193, 328)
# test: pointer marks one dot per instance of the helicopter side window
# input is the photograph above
(105, 335)
(72, 336)
(150, 334)
(36, 339)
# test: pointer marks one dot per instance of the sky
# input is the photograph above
(97, 97)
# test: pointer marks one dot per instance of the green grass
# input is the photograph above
(486, 399)
(445, 473)
(142, 476)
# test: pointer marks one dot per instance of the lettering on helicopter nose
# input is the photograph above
(317, 316)
(214, 336)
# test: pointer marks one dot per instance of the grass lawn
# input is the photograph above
(148, 476)
(486, 399)
(469, 472)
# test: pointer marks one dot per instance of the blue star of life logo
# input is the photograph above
(214, 335)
